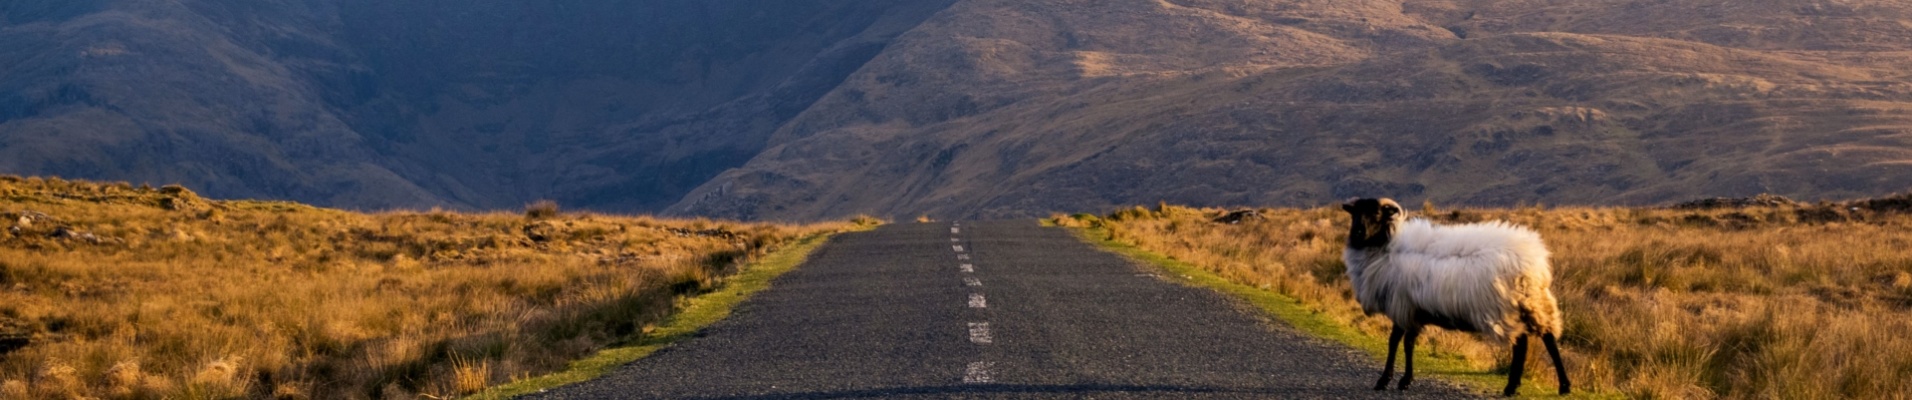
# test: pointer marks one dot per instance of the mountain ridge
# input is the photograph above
(617, 106)
(1614, 115)
(821, 109)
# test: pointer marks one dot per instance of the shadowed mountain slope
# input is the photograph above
(617, 105)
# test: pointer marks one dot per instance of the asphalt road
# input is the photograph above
(989, 310)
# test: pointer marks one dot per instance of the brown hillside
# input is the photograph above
(1018, 108)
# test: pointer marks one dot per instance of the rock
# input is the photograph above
(713, 233)
(1239, 216)
(26, 219)
(68, 233)
(1898, 203)
(541, 231)
(177, 190)
(181, 203)
(13, 341)
(1761, 200)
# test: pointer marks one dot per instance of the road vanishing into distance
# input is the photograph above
(989, 310)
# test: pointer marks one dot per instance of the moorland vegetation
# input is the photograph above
(108, 290)
(1760, 298)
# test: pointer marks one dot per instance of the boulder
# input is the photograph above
(1238, 216)
(541, 231)
(1761, 200)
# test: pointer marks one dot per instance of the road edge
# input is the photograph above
(1301, 317)
(697, 313)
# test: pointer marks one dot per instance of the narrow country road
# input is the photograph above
(989, 310)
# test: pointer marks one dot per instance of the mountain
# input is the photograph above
(614, 105)
(811, 109)
(1012, 108)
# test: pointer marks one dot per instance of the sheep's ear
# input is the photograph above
(1349, 207)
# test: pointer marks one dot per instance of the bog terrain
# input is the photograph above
(116, 291)
(109, 290)
(1763, 299)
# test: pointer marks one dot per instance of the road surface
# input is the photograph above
(989, 310)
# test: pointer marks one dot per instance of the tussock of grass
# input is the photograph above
(134, 292)
(866, 221)
(541, 209)
(1794, 301)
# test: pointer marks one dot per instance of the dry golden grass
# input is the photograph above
(1795, 301)
(136, 293)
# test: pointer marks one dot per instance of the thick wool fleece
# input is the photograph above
(1493, 277)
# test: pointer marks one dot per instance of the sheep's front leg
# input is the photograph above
(1518, 368)
(1407, 360)
(1387, 370)
(1560, 366)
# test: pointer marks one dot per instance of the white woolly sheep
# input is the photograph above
(1488, 278)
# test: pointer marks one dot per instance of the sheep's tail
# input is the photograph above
(1539, 310)
(1550, 319)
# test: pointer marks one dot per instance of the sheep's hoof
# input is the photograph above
(1404, 382)
(1511, 390)
(1383, 384)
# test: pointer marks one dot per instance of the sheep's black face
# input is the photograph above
(1371, 222)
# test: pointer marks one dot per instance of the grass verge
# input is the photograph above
(695, 314)
(1312, 321)
(116, 291)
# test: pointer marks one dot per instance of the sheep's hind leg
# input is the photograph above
(1407, 360)
(1517, 367)
(1560, 366)
(1387, 371)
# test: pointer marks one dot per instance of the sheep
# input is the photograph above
(1488, 278)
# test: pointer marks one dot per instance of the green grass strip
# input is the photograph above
(1304, 318)
(699, 312)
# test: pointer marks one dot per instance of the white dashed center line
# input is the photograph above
(978, 372)
(979, 333)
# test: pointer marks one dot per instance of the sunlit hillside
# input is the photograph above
(1768, 300)
(116, 291)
